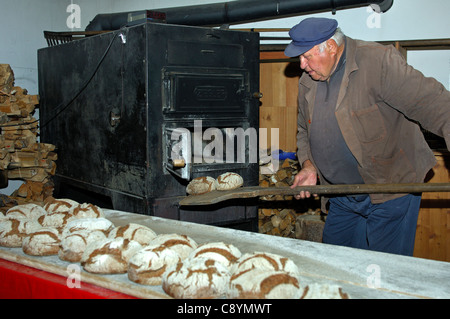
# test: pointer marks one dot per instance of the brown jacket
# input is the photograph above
(380, 100)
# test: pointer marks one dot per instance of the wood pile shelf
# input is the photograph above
(22, 157)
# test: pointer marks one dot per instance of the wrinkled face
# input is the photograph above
(319, 65)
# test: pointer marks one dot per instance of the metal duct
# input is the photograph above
(216, 14)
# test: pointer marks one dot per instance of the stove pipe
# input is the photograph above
(216, 14)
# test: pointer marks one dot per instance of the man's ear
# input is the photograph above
(332, 46)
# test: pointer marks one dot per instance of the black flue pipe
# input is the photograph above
(216, 14)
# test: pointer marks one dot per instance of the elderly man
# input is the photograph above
(358, 108)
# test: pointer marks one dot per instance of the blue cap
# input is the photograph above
(308, 33)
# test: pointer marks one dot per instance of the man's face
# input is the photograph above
(319, 65)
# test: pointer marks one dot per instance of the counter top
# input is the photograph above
(360, 273)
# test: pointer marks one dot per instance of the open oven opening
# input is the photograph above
(203, 150)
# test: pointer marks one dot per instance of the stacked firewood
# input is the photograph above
(282, 177)
(281, 215)
(21, 156)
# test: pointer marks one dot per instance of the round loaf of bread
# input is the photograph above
(136, 232)
(197, 278)
(109, 256)
(78, 233)
(13, 230)
(86, 210)
(30, 211)
(319, 291)
(56, 219)
(63, 205)
(229, 181)
(263, 284)
(181, 244)
(226, 254)
(201, 185)
(73, 245)
(149, 264)
(267, 261)
(87, 225)
(42, 242)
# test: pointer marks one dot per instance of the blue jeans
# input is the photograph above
(389, 227)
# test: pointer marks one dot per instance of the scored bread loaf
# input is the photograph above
(74, 244)
(263, 260)
(13, 230)
(58, 213)
(60, 205)
(141, 234)
(228, 181)
(30, 211)
(42, 242)
(201, 185)
(226, 254)
(109, 256)
(78, 233)
(196, 278)
(181, 244)
(58, 219)
(88, 224)
(149, 264)
(86, 210)
(256, 283)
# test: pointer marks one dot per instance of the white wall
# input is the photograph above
(23, 21)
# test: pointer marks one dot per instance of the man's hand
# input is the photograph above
(306, 176)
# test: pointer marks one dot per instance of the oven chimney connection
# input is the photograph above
(217, 14)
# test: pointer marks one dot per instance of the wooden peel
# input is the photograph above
(352, 189)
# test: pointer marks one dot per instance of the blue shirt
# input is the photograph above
(328, 148)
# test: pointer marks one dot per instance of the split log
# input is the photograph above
(309, 227)
(277, 216)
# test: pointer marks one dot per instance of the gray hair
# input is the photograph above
(338, 37)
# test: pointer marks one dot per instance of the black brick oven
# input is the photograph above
(112, 102)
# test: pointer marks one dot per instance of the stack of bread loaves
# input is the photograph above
(205, 184)
(42, 231)
(184, 269)
(112, 254)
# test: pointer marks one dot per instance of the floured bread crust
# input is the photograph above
(197, 278)
(226, 254)
(136, 232)
(30, 211)
(88, 224)
(267, 261)
(149, 264)
(79, 233)
(86, 210)
(73, 245)
(181, 244)
(14, 230)
(109, 256)
(62, 205)
(58, 219)
(258, 283)
(42, 242)
(229, 181)
(201, 185)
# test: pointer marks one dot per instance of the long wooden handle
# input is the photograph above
(255, 191)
